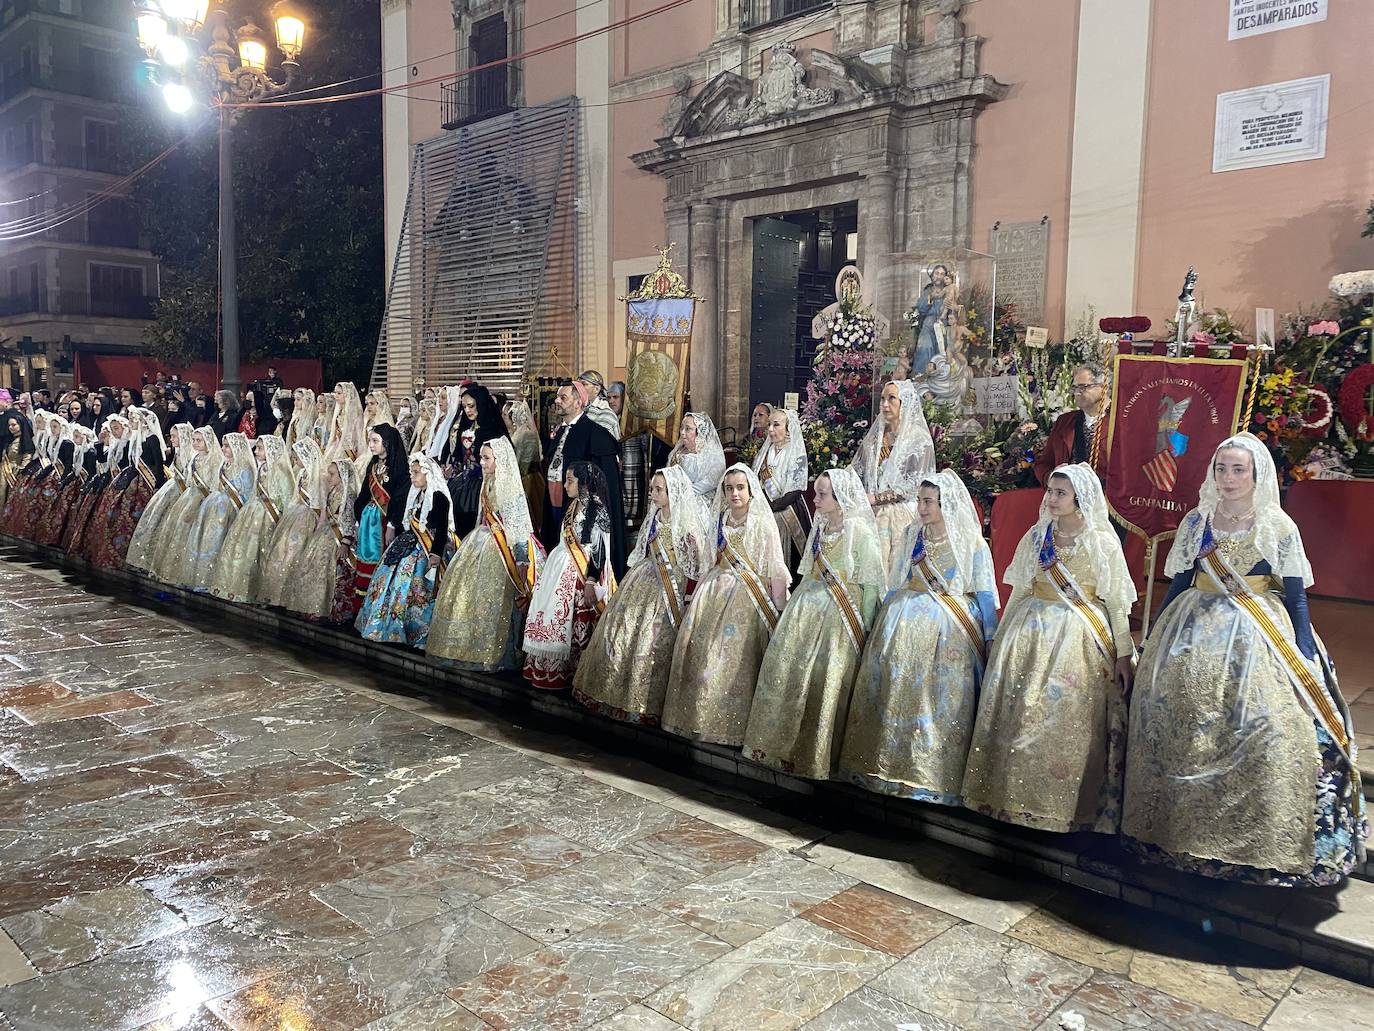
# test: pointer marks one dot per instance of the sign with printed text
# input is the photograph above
(1271, 125)
(1256, 17)
(1037, 336)
(791, 401)
(1167, 417)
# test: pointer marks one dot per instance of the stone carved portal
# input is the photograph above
(893, 133)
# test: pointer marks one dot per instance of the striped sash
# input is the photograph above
(753, 582)
(840, 592)
(668, 580)
(230, 489)
(937, 587)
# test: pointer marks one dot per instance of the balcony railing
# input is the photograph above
(753, 13)
(72, 302)
(92, 12)
(69, 156)
(480, 95)
(82, 84)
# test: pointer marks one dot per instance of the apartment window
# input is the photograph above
(489, 44)
(100, 73)
(118, 290)
(99, 150)
(113, 222)
(761, 12)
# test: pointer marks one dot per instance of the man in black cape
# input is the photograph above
(583, 440)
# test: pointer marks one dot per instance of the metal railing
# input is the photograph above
(753, 13)
(73, 302)
(480, 95)
(83, 84)
(24, 303)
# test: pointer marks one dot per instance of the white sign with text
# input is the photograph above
(1256, 17)
(1271, 125)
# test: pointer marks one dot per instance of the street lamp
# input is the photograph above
(196, 53)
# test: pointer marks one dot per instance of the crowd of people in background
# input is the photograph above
(843, 625)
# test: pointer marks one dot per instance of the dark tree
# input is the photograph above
(308, 189)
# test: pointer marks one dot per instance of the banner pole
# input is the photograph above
(1149, 588)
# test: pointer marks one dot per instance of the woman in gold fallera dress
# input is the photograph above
(237, 574)
(174, 559)
(302, 416)
(297, 522)
(1049, 742)
(624, 670)
(1241, 761)
(699, 454)
(916, 693)
(347, 437)
(572, 586)
(143, 544)
(797, 719)
(319, 583)
(895, 455)
(726, 627)
(784, 474)
(479, 614)
(235, 484)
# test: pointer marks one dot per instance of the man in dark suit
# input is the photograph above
(1072, 435)
(582, 440)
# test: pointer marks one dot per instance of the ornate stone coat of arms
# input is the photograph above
(781, 89)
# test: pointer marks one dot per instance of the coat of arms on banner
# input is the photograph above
(658, 334)
(1167, 417)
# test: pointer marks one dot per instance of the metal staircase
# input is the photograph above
(486, 267)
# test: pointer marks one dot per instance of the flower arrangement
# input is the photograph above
(1352, 284)
(1280, 407)
(1323, 462)
(748, 448)
(851, 326)
(1357, 404)
(829, 445)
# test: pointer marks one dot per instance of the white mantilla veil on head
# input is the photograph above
(349, 485)
(434, 484)
(242, 450)
(693, 541)
(965, 533)
(1098, 540)
(443, 423)
(705, 466)
(506, 492)
(310, 478)
(183, 450)
(913, 450)
(788, 465)
(761, 544)
(117, 448)
(208, 467)
(865, 569)
(302, 416)
(152, 428)
(1276, 536)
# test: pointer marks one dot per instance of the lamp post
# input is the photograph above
(196, 54)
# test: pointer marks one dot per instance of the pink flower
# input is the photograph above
(1201, 337)
(1327, 328)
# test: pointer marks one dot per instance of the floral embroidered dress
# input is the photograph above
(141, 545)
(297, 524)
(236, 480)
(727, 626)
(784, 474)
(797, 717)
(319, 585)
(915, 696)
(140, 484)
(50, 531)
(237, 574)
(1241, 762)
(174, 556)
(400, 599)
(1049, 742)
(624, 669)
(479, 614)
(561, 618)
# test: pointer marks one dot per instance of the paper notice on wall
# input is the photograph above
(1271, 125)
(1256, 17)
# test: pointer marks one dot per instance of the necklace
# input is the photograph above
(936, 540)
(1244, 517)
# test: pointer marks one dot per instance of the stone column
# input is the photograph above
(704, 380)
(877, 241)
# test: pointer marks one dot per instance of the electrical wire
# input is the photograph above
(453, 76)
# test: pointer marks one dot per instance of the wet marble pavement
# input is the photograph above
(203, 832)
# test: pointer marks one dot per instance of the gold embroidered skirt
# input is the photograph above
(144, 541)
(716, 660)
(1048, 744)
(914, 702)
(288, 540)
(624, 669)
(475, 614)
(802, 699)
(236, 573)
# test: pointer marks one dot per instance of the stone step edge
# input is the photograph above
(1285, 921)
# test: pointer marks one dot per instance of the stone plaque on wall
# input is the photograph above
(1021, 250)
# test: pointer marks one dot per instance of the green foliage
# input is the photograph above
(1369, 221)
(308, 189)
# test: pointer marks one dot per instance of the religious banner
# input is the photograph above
(1167, 417)
(658, 336)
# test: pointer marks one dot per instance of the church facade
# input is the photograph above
(1094, 148)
